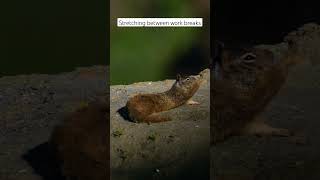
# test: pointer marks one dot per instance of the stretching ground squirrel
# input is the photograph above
(144, 107)
(244, 82)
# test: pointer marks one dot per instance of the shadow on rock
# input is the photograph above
(124, 113)
(43, 162)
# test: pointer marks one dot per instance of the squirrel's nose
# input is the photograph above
(202, 73)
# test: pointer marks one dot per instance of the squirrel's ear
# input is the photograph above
(178, 77)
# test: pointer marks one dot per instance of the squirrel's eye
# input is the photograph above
(249, 57)
(188, 79)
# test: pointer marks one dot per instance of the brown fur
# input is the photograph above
(144, 107)
(243, 90)
(81, 143)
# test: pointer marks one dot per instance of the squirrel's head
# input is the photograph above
(244, 57)
(251, 56)
(188, 85)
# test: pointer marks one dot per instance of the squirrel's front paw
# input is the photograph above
(191, 102)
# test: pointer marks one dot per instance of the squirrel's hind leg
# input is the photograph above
(156, 118)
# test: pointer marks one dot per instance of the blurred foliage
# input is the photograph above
(145, 54)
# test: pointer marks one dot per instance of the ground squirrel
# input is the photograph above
(80, 143)
(144, 107)
(244, 82)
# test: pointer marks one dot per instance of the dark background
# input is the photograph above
(52, 36)
(250, 22)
